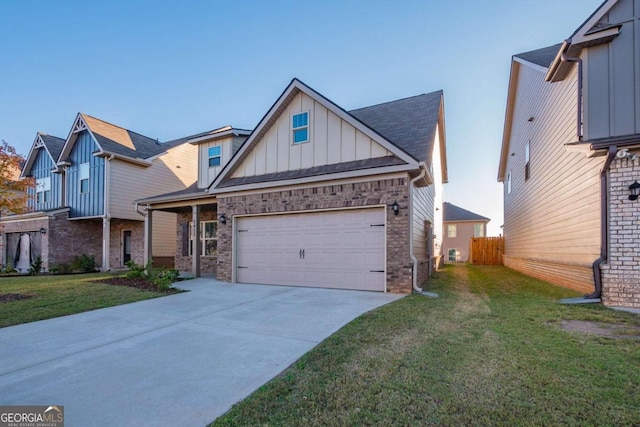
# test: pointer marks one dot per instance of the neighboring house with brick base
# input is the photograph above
(460, 225)
(318, 196)
(83, 200)
(569, 154)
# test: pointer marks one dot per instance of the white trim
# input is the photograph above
(609, 32)
(294, 129)
(316, 179)
(38, 142)
(32, 216)
(228, 131)
(531, 65)
(579, 35)
(122, 245)
(137, 160)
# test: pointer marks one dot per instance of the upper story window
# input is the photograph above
(83, 176)
(43, 190)
(509, 182)
(215, 156)
(526, 161)
(300, 127)
(478, 230)
(452, 230)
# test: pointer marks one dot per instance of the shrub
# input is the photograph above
(84, 263)
(62, 268)
(135, 271)
(161, 277)
(36, 266)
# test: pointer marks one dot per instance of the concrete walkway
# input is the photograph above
(179, 360)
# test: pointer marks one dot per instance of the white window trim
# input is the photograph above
(209, 157)
(475, 227)
(82, 178)
(43, 189)
(455, 231)
(509, 182)
(308, 127)
(203, 240)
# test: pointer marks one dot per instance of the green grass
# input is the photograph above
(61, 295)
(490, 351)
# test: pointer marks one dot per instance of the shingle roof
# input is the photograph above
(453, 213)
(53, 144)
(314, 171)
(408, 123)
(543, 57)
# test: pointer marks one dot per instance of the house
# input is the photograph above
(569, 158)
(460, 225)
(319, 196)
(82, 202)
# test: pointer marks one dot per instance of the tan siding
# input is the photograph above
(206, 175)
(164, 234)
(332, 140)
(612, 76)
(553, 217)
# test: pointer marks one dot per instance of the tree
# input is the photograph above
(13, 190)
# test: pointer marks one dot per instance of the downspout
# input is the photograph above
(604, 221)
(423, 172)
(565, 58)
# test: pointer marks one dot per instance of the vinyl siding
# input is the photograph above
(172, 171)
(90, 203)
(331, 140)
(554, 216)
(207, 174)
(41, 168)
(464, 232)
(612, 76)
(165, 230)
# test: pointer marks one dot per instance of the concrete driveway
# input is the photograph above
(178, 360)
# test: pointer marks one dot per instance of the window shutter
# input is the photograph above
(185, 238)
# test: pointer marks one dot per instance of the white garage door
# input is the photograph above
(332, 249)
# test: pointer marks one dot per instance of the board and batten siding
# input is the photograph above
(41, 168)
(553, 217)
(91, 203)
(331, 141)
(612, 77)
(207, 174)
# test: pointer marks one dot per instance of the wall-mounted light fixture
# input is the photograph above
(530, 119)
(395, 208)
(634, 189)
(222, 219)
(43, 230)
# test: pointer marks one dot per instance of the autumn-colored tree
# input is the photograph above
(13, 190)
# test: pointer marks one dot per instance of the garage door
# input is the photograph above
(332, 249)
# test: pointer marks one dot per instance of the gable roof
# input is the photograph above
(371, 121)
(453, 213)
(51, 144)
(542, 57)
(408, 123)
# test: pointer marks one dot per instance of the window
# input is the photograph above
(453, 255)
(208, 238)
(300, 126)
(509, 183)
(526, 161)
(452, 230)
(215, 156)
(83, 173)
(478, 230)
(43, 190)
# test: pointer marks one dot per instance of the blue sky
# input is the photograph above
(168, 69)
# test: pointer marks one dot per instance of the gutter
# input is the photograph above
(414, 279)
(604, 221)
(565, 58)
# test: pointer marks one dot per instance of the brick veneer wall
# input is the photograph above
(208, 264)
(26, 227)
(372, 193)
(621, 274)
(116, 242)
(68, 239)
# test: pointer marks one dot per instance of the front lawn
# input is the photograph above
(43, 297)
(495, 349)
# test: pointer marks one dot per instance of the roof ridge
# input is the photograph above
(440, 91)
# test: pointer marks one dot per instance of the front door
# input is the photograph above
(126, 246)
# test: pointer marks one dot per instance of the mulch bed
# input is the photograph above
(138, 283)
(14, 297)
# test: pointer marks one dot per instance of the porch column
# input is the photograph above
(148, 237)
(106, 243)
(195, 251)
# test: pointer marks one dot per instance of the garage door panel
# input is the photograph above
(342, 249)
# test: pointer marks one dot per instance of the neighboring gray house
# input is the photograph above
(569, 158)
(319, 196)
(460, 225)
